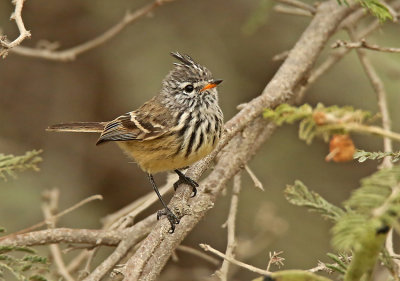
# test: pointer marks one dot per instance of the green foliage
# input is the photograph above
(316, 122)
(378, 9)
(373, 209)
(378, 196)
(23, 268)
(361, 227)
(341, 262)
(362, 155)
(375, 7)
(9, 164)
(299, 195)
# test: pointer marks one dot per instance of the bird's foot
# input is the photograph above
(186, 180)
(172, 218)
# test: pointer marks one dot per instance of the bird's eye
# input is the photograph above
(189, 88)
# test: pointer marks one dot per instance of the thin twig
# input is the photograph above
(256, 181)
(71, 53)
(336, 56)
(57, 216)
(208, 248)
(360, 128)
(230, 224)
(198, 253)
(321, 267)
(379, 89)
(299, 4)
(292, 11)
(49, 207)
(23, 33)
(365, 45)
(276, 259)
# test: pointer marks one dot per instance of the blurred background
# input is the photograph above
(236, 40)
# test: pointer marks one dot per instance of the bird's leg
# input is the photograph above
(186, 180)
(166, 211)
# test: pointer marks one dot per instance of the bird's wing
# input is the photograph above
(148, 122)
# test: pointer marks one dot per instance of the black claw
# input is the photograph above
(186, 180)
(170, 216)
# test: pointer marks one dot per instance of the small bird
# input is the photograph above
(171, 131)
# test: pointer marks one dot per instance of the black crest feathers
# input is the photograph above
(185, 59)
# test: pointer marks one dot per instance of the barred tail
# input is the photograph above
(79, 127)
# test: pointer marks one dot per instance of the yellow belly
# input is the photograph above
(157, 155)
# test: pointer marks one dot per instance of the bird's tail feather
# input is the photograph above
(80, 127)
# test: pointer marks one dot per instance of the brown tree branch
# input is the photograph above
(300, 5)
(198, 253)
(23, 33)
(71, 53)
(256, 181)
(133, 235)
(158, 246)
(292, 11)
(379, 89)
(66, 235)
(208, 248)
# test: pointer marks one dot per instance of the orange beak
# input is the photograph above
(211, 85)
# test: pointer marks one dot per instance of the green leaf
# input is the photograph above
(299, 195)
(363, 155)
(6, 249)
(9, 164)
(316, 122)
(376, 8)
